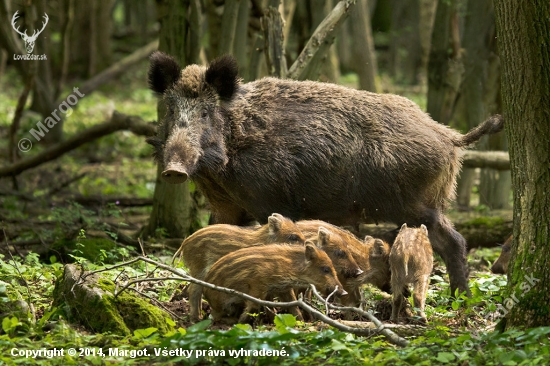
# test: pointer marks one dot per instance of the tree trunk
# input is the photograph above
(524, 35)
(90, 46)
(495, 185)
(363, 46)
(444, 64)
(173, 206)
(478, 23)
(405, 46)
(241, 42)
(229, 26)
(272, 25)
(326, 67)
(427, 17)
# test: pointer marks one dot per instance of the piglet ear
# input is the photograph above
(163, 72)
(311, 252)
(222, 74)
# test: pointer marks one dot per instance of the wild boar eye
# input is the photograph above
(293, 238)
(325, 269)
(204, 113)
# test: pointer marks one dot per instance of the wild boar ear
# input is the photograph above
(222, 75)
(380, 248)
(311, 252)
(324, 236)
(275, 222)
(424, 229)
(163, 72)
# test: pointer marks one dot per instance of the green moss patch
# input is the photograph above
(91, 303)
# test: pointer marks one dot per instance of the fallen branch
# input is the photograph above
(394, 338)
(391, 336)
(320, 41)
(119, 201)
(65, 184)
(118, 68)
(117, 122)
(498, 160)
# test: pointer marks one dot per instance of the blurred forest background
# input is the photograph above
(81, 175)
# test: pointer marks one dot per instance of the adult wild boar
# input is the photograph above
(309, 150)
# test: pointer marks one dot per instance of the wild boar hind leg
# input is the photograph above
(449, 244)
(419, 296)
(195, 302)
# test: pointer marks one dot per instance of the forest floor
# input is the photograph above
(104, 190)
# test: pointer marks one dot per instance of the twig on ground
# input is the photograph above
(394, 338)
(391, 336)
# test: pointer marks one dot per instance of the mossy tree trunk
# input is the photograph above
(523, 30)
(174, 208)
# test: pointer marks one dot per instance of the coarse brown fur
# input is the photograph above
(335, 242)
(264, 272)
(372, 257)
(501, 264)
(202, 249)
(310, 150)
(411, 261)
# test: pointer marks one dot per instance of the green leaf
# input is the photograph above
(284, 321)
(199, 326)
(445, 357)
(144, 333)
(9, 324)
(170, 322)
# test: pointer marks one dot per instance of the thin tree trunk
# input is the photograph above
(523, 30)
(363, 46)
(445, 67)
(495, 186)
(478, 23)
(405, 46)
(240, 44)
(319, 43)
(272, 25)
(229, 26)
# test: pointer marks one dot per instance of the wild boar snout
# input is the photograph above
(174, 174)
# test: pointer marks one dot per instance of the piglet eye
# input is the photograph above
(325, 269)
(204, 113)
(293, 238)
(340, 253)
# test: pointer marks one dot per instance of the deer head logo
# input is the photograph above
(29, 41)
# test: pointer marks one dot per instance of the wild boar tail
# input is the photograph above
(492, 125)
